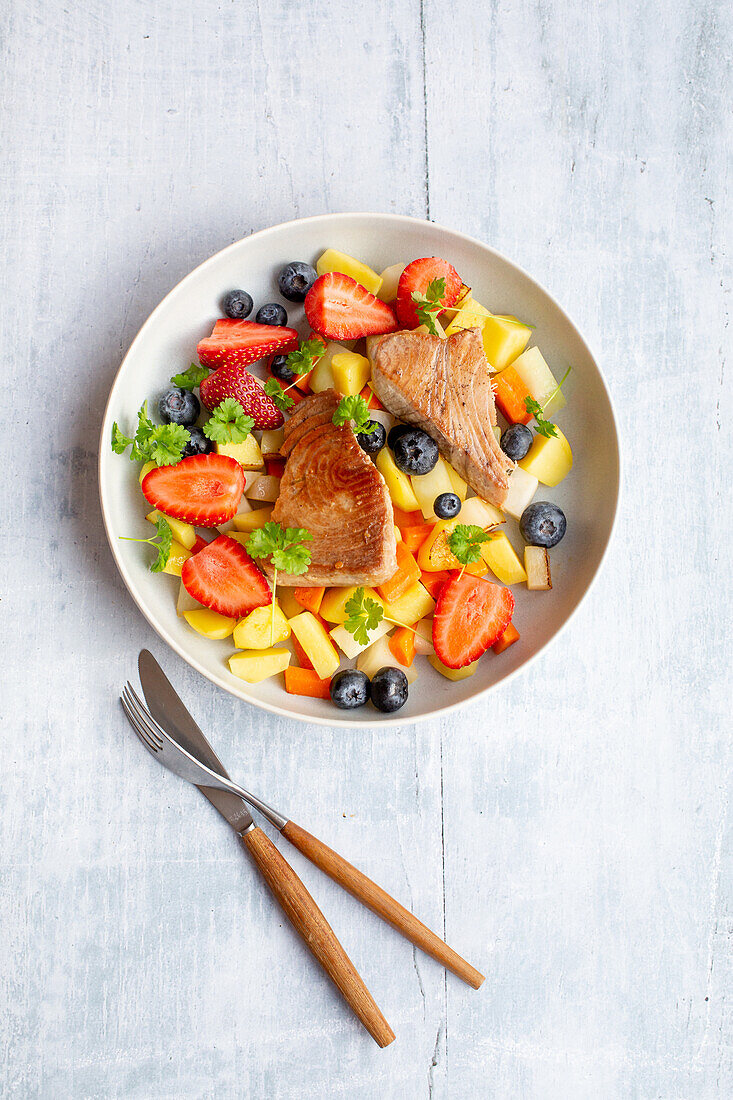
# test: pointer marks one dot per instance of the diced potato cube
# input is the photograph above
(331, 260)
(264, 627)
(453, 673)
(333, 604)
(316, 643)
(465, 318)
(265, 488)
(252, 521)
(480, 513)
(185, 602)
(400, 489)
(247, 453)
(522, 487)
(379, 655)
(415, 604)
(351, 372)
(176, 558)
(259, 664)
(428, 486)
(210, 623)
(182, 532)
(390, 281)
(348, 644)
(272, 441)
(288, 603)
(145, 470)
(504, 339)
(460, 488)
(537, 566)
(424, 638)
(244, 507)
(549, 459)
(539, 380)
(502, 560)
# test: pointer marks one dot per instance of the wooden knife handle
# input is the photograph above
(380, 902)
(317, 934)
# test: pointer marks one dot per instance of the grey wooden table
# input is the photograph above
(570, 833)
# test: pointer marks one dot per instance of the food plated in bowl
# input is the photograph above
(359, 469)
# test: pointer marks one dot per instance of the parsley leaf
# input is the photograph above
(162, 444)
(429, 305)
(465, 540)
(229, 423)
(191, 378)
(354, 409)
(364, 614)
(284, 547)
(274, 390)
(542, 426)
(162, 541)
(120, 442)
(304, 358)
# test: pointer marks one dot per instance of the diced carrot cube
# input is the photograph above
(408, 572)
(510, 394)
(309, 598)
(402, 646)
(434, 581)
(304, 681)
(509, 637)
(406, 519)
(414, 536)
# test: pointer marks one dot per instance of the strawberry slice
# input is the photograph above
(204, 490)
(341, 309)
(237, 382)
(416, 278)
(239, 343)
(470, 615)
(224, 578)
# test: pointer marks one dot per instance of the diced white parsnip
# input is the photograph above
(427, 487)
(390, 281)
(424, 637)
(397, 534)
(185, 602)
(348, 644)
(385, 419)
(271, 441)
(497, 433)
(460, 488)
(480, 512)
(537, 567)
(379, 655)
(539, 380)
(265, 488)
(522, 487)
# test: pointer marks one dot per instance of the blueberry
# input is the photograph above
(395, 433)
(447, 505)
(389, 689)
(415, 452)
(295, 280)
(279, 367)
(179, 407)
(237, 304)
(271, 314)
(516, 441)
(374, 441)
(349, 688)
(198, 444)
(542, 524)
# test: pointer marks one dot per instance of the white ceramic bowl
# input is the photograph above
(166, 344)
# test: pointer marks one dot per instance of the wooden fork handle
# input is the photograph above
(317, 934)
(380, 902)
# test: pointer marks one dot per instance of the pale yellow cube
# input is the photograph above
(333, 604)
(427, 487)
(549, 459)
(351, 372)
(185, 602)
(454, 674)
(415, 604)
(247, 453)
(182, 532)
(504, 339)
(348, 644)
(252, 521)
(522, 487)
(479, 513)
(145, 470)
(176, 558)
(288, 603)
(460, 488)
(332, 260)
(316, 643)
(540, 381)
(264, 627)
(400, 489)
(272, 441)
(259, 664)
(502, 559)
(390, 282)
(210, 623)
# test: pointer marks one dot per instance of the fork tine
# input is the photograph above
(137, 727)
(144, 715)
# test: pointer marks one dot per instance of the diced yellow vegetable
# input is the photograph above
(390, 281)
(481, 513)
(540, 381)
(351, 372)
(537, 566)
(252, 521)
(210, 623)
(453, 673)
(182, 532)
(464, 318)
(427, 487)
(460, 488)
(549, 459)
(348, 644)
(331, 260)
(176, 558)
(259, 664)
(522, 487)
(271, 441)
(262, 628)
(424, 638)
(265, 488)
(435, 555)
(503, 339)
(244, 507)
(415, 604)
(379, 655)
(145, 470)
(322, 376)
(185, 602)
(288, 603)
(247, 453)
(333, 604)
(316, 643)
(399, 486)
(502, 560)
(397, 534)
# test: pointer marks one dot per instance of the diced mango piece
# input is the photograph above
(210, 623)
(259, 664)
(540, 381)
(399, 486)
(460, 488)
(465, 318)
(252, 521)
(247, 453)
(316, 643)
(185, 602)
(333, 604)
(453, 673)
(182, 532)
(504, 339)
(522, 487)
(288, 603)
(427, 487)
(331, 260)
(145, 470)
(264, 627)
(176, 558)
(549, 459)
(390, 281)
(379, 655)
(348, 644)
(414, 605)
(351, 372)
(537, 566)
(502, 560)
(435, 555)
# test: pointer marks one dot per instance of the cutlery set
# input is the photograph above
(166, 729)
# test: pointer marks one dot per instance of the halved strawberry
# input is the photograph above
(239, 343)
(204, 490)
(416, 278)
(238, 383)
(470, 615)
(224, 578)
(342, 309)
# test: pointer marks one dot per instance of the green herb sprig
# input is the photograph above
(280, 396)
(542, 426)
(162, 540)
(229, 423)
(355, 411)
(191, 378)
(365, 615)
(465, 542)
(162, 444)
(429, 305)
(285, 548)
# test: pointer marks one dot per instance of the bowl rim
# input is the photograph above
(342, 720)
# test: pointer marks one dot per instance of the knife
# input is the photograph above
(168, 710)
(288, 890)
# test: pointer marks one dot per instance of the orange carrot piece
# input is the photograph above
(406, 519)
(302, 381)
(303, 659)
(509, 637)
(309, 598)
(510, 393)
(304, 681)
(402, 646)
(414, 536)
(408, 572)
(434, 581)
